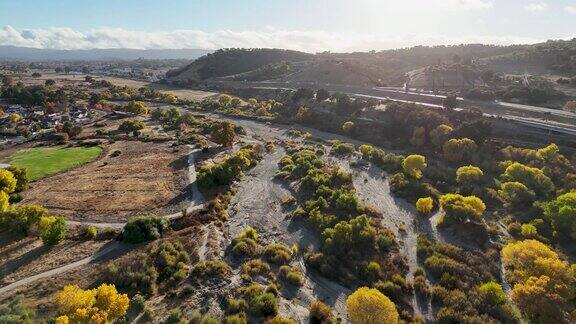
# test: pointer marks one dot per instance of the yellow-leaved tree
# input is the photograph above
(543, 284)
(413, 165)
(425, 205)
(100, 305)
(370, 306)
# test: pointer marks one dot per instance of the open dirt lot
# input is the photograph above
(146, 178)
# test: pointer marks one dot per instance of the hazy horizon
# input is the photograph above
(317, 26)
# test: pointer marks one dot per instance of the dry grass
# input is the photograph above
(145, 178)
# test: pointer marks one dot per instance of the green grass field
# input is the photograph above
(45, 161)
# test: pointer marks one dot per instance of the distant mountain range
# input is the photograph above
(35, 54)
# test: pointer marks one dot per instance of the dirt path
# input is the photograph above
(113, 246)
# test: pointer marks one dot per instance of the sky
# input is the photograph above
(307, 25)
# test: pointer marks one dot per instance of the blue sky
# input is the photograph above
(310, 25)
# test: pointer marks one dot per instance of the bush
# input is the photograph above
(255, 267)
(494, 293)
(340, 148)
(91, 232)
(52, 229)
(320, 313)
(211, 269)
(143, 229)
(246, 243)
(278, 253)
(424, 206)
(236, 306)
(292, 275)
(265, 304)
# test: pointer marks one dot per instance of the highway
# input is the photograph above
(541, 118)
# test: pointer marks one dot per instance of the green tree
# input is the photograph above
(516, 195)
(52, 229)
(562, 214)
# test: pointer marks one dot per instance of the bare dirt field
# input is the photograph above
(146, 178)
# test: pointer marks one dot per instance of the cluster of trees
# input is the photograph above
(22, 219)
(543, 284)
(33, 95)
(172, 118)
(141, 273)
(99, 305)
(330, 205)
(230, 169)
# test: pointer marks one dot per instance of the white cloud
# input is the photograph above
(536, 6)
(465, 4)
(310, 41)
(570, 9)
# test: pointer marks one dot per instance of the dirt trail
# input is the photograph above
(113, 246)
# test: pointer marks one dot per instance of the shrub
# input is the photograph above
(211, 269)
(280, 320)
(236, 306)
(255, 267)
(278, 253)
(494, 293)
(413, 165)
(143, 229)
(265, 304)
(367, 305)
(292, 275)
(420, 285)
(246, 243)
(52, 229)
(320, 313)
(230, 169)
(462, 209)
(424, 206)
(340, 148)
(528, 231)
(91, 232)
(170, 260)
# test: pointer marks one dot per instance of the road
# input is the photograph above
(542, 118)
